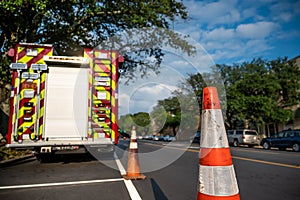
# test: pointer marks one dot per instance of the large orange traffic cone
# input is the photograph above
(133, 167)
(217, 178)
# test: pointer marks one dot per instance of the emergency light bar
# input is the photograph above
(66, 59)
(39, 67)
(18, 66)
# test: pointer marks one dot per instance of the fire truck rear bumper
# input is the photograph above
(102, 142)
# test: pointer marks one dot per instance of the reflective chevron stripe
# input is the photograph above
(24, 120)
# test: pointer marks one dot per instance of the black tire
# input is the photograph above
(235, 143)
(266, 145)
(296, 147)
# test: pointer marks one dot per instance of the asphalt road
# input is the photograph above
(261, 174)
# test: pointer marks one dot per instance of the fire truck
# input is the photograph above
(63, 103)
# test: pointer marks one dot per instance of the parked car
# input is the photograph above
(157, 138)
(148, 137)
(196, 138)
(168, 138)
(282, 140)
(244, 137)
(139, 137)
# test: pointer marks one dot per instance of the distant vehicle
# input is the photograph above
(168, 138)
(244, 137)
(196, 138)
(148, 137)
(157, 138)
(282, 140)
(139, 137)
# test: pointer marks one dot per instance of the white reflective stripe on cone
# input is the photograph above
(217, 180)
(133, 145)
(133, 135)
(213, 134)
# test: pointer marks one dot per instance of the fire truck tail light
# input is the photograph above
(18, 66)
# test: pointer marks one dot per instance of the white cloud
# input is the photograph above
(220, 34)
(143, 97)
(239, 30)
(213, 12)
(256, 30)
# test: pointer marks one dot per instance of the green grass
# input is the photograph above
(8, 153)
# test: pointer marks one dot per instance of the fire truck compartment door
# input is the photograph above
(66, 114)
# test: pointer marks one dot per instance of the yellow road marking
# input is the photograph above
(267, 162)
(267, 152)
(235, 157)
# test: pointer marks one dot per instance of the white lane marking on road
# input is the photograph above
(119, 164)
(134, 195)
(60, 184)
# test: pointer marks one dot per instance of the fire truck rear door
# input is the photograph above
(66, 115)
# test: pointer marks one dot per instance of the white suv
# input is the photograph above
(245, 136)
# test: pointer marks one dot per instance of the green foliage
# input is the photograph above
(140, 120)
(8, 153)
(167, 114)
(71, 25)
(177, 115)
(5, 75)
(261, 91)
(257, 92)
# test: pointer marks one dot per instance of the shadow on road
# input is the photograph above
(158, 193)
(65, 158)
(19, 161)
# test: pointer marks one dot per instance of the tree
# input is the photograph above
(167, 114)
(140, 120)
(72, 25)
(261, 91)
(257, 92)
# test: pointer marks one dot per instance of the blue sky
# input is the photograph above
(225, 32)
(233, 31)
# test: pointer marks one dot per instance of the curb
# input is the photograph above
(15, 160)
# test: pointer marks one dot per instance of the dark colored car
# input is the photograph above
(196, 138)
(282, 140)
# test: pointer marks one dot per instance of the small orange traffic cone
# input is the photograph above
(133, 167)
(217, 178)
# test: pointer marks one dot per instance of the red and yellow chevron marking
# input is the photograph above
(21, 56)
(13, 100)
(114, 103)
(25, 126)
(102, 67)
